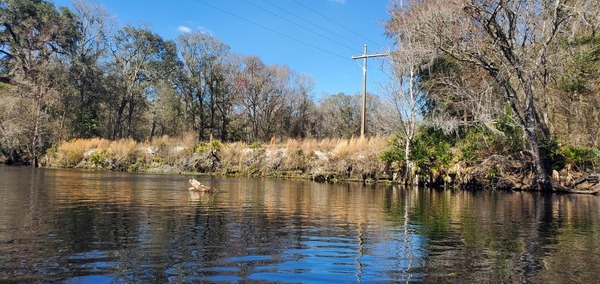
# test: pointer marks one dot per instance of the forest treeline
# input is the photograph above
(497, 88)
(76, 74)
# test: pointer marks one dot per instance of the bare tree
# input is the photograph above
(301, 107)
(262, 92)
(273, 99)
(507, 39)
(341, 115)
(402, 111)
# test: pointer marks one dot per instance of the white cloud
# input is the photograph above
(205, 30)
(184, 29)
(199, 29)
(338, 1)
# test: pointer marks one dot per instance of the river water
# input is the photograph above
(76, 226)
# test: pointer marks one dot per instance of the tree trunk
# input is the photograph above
(410, 164)
(532, 125)
(118, 133)
(542, 180)
(33, 143)
(527, 117)
(224, 127)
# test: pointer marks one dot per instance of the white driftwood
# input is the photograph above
(197, 186)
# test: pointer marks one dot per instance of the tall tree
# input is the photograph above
(86, 74)
(252, 84)
(139, 58)
(33, 40)
(273, 100)
(301, 109)
(402, 113)
(509, 40)
(202, 79)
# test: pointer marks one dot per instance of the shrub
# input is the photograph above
(551, 155)
(431, 152)
(99, 159)
(256, 145)
(581, 157)
(297, 154)
(394, 150)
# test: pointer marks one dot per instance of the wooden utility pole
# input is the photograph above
(364, 56)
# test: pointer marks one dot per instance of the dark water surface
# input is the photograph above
(101, 227)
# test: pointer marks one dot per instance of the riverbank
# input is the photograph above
(321, 160)
(374, 159)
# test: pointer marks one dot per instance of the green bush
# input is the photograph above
(394, 151)
(431, 151)
(552, 155)
(580, 157)
(99, 159)
(213, 146)
(557, 156)
(256, 145)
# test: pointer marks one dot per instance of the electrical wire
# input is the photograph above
(369, 67)
(290, 21)
(273, 31)
(340, 25)
(313, 24)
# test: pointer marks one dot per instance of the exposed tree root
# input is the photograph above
(594, 189)
(515, 175)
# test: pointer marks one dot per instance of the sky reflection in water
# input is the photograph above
(96, 227)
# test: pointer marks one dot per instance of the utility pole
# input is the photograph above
(364, 56)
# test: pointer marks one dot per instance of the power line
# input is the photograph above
(272, 30)
(299, 25)
(310, 22)
(327, 18)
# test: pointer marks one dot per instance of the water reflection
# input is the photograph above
(78, 226)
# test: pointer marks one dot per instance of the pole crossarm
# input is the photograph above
(364, 56)
(370, 55)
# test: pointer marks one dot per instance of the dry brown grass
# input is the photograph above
(338, 147)
(82, 145)
(347, 148)
(328, 144)
(293, 145)
(161, 141)
(189, 139)
(123, 148)
(358, 154)
(233, 154)
(70, 153)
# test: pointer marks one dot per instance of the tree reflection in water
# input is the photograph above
(60, 225)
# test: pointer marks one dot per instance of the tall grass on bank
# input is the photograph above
(73, 152)
(438, 159)
(353, 158)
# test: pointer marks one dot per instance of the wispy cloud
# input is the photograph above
(338, 1)
(205, 30)
(199, 29)
(184, 29)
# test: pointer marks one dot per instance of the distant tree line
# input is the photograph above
(74, 73)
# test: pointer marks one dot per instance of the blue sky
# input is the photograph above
(283, 32)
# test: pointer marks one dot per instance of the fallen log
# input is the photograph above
(197, 186)
(594, 189)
